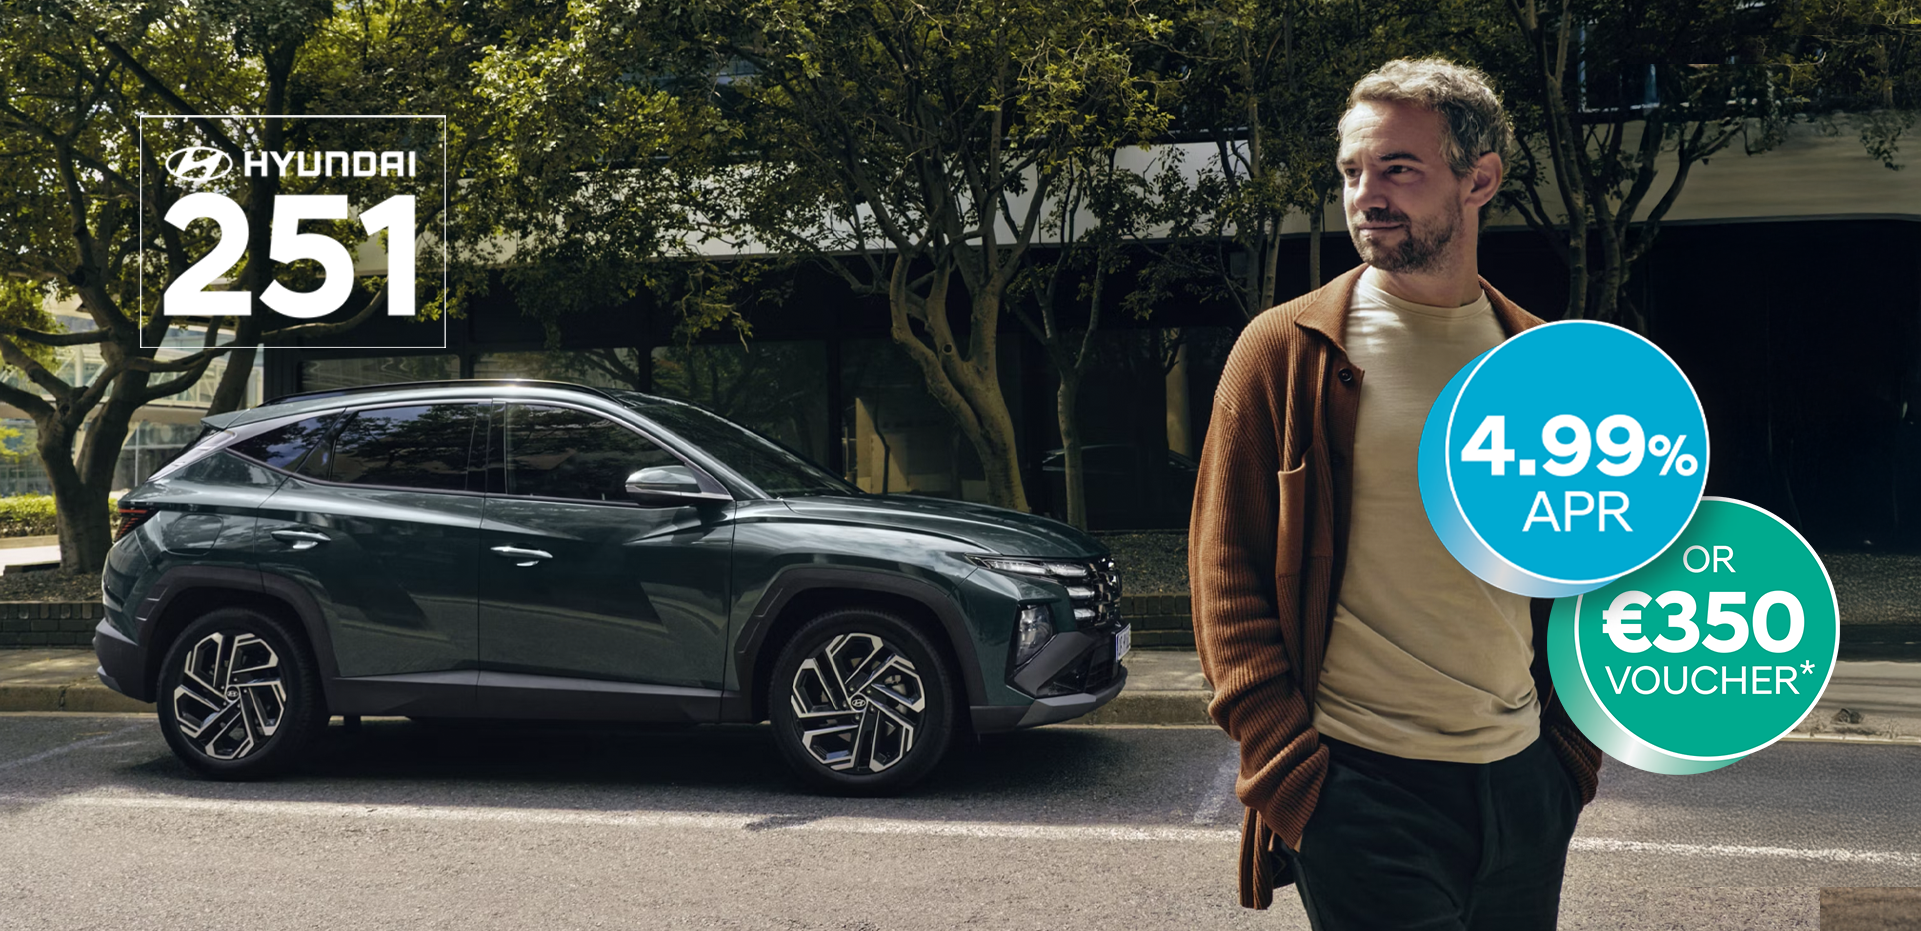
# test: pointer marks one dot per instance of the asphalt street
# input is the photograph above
(479, 827)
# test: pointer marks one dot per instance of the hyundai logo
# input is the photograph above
(198, 164)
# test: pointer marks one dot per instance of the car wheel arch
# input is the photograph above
(187, 592)
(798, 596)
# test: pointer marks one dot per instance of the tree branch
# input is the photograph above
(35, 372)
(81, 338)
(29, 403)
(166, 93)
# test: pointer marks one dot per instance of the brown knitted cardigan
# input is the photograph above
(1267, 542)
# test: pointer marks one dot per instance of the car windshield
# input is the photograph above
(769, 464)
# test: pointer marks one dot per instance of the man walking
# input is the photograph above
(1403, 759)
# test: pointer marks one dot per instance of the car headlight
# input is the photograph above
(1031, 633)
(1045, 568)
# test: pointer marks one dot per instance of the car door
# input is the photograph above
(381, 524)
(592, 605)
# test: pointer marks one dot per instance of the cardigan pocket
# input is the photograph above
(1291, 525)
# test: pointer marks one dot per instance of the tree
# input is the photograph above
(1861, 58)
(591, 190)
(77, 75)
(1091, 250)
(913, 149)
(1605, 97)
(1266, 82)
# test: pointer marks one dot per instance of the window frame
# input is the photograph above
(497, 439)
(480, 405)
(268, 426)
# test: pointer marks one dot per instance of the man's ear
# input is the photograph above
(1485, 180)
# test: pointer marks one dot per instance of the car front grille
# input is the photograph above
(1098, 604)
(1097, 610)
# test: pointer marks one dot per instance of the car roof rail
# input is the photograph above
(436, 383)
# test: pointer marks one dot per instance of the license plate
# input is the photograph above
(1123, 642)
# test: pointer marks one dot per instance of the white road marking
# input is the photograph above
(624, 819)
(1001, 831)
(1221, 790)
(1819, 855)
(76, 745)
(986, 830)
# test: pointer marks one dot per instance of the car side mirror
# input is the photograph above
(668, 486)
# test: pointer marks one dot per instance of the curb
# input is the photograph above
(77, 697)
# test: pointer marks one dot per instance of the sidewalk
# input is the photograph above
(1874, 702)
(1869, 701)
(27, 551)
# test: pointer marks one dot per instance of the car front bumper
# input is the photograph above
(1050, 709)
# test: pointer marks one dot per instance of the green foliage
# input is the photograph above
(23, 304)
(914, 147)
(31, 515)
(1614, 103)
(596, 169)
(1267, 82)
(26, 515)
(76, 78)
(1861, 58)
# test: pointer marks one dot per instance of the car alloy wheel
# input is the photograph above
(230, 699)
(239, 694)
(858, 702)
(862, 702)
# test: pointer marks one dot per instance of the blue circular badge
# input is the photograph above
(1564, 458)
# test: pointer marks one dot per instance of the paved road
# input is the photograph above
(406, 826)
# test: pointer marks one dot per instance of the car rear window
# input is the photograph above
(421, 446)
(283, 447)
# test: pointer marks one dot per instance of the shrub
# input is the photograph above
(26, 515)
(30, 516)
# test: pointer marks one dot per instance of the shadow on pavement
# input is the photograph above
(1060, 775)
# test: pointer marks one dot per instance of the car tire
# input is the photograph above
(239, 695)
(879, 737)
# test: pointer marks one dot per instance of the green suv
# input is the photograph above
(545, 551)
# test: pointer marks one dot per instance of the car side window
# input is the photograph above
(560, 452)
(283, 446)
(420, 446)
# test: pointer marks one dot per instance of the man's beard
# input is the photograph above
(1422, 248)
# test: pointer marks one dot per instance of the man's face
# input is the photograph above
(1403, 202)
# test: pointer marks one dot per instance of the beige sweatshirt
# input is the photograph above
(1424, 660)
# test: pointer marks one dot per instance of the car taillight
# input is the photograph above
(129, 519)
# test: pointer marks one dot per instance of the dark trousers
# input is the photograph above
(1397, 844)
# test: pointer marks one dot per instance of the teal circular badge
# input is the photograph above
(1563, 459)
(1715, 649)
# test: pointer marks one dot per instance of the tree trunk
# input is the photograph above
(969, 390)
(1076, 480)
(80, 509)
(231, 394)
(1316, 219)
(1270, 264)
(997, 448)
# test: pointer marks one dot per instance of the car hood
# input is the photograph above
(1005, 532)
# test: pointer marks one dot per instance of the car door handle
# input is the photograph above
(301, 539)
(528, 557)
